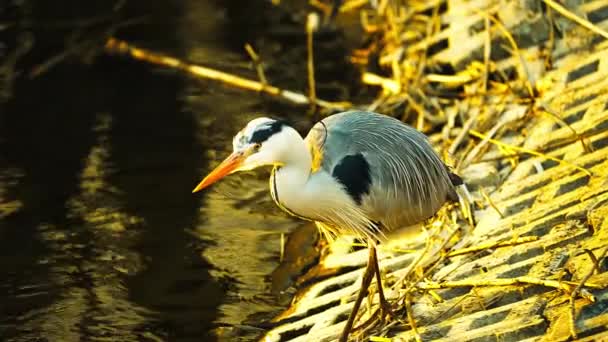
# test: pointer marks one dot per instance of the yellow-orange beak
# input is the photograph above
(225, 168)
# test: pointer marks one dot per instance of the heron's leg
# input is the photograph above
(385, 307)
(368, 275)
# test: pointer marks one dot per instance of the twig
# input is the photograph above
(436, 296)
(490, 202)
(428, 33)
(491, 245)
(388, 85)
(352, 5)
(594, 260)
(422, 112)
(453, 306)
(323, 7)
(257, 62)
(584, 23)
(472, 72)
(487, 51)
(451, 81)
(437, 262)
(441, 117)
(312, 21)
(579, 287)
(379, 247)
(465, 152)
(551, 41)
(478, 149)
(415, 262)
(462, 134)
(410, 317)
(550, 147)
(516, 52)
(525, 150)
(114, 45)
(412, 266)
(53, 61)
(561, 121)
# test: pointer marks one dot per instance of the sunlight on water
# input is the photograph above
(99, 304)
(8, 179)
(97, 202)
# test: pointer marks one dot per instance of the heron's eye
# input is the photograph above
(256, 147)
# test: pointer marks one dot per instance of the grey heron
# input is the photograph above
(356, 172)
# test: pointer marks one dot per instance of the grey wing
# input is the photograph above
(409, 182)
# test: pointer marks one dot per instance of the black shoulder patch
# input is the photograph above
(262, 134)
(354, 173)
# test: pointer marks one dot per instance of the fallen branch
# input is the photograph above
(116, 46)
(312, 22)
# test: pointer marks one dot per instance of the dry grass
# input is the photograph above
(416, 88)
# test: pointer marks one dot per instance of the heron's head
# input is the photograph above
(263, 141)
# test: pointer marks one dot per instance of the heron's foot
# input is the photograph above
(386, 311)
(382, 314)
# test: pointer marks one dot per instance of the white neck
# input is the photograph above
(290, 182)
(314, 196)
(297, 161)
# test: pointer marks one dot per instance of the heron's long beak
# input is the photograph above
(225, 168)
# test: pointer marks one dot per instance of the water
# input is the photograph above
(100, 237)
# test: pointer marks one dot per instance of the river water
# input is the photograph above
(100, 237)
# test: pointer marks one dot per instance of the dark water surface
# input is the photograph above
(100, 237)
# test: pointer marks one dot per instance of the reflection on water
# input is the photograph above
(100, 237)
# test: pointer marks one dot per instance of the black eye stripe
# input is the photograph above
(262, 134)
